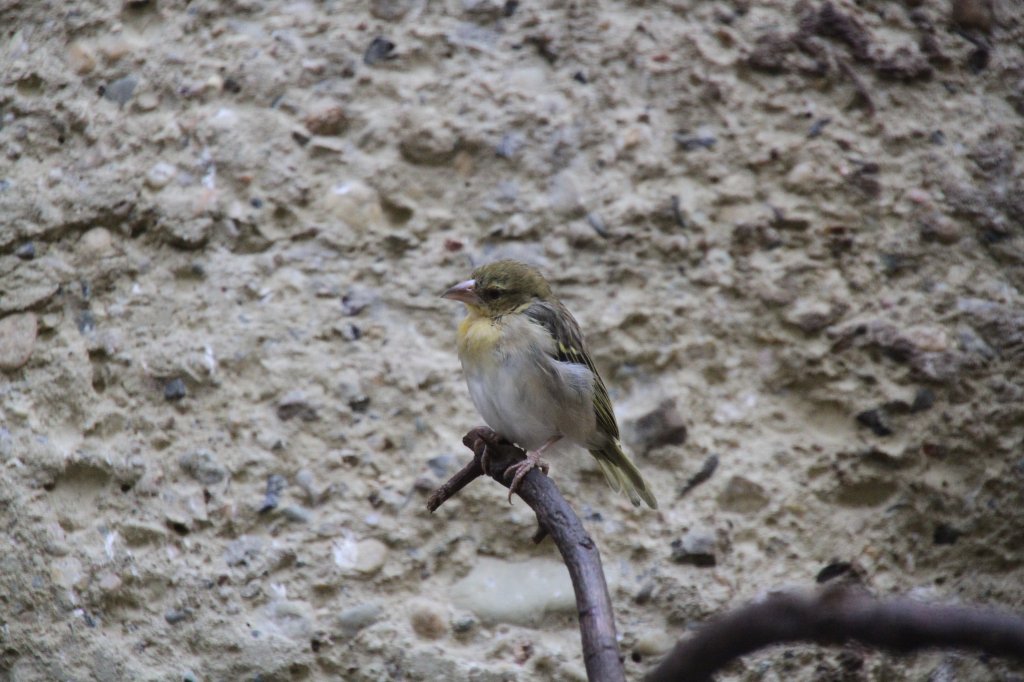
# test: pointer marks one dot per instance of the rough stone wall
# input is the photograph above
(793, 233)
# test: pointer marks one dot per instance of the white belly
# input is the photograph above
(529, 403)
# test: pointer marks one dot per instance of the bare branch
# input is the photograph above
(837, 616)
(556, 518)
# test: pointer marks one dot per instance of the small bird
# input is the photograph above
(531, 377)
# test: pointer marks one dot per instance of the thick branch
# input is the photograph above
(839, 616)
(556, 517)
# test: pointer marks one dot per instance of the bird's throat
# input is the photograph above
(478, 337)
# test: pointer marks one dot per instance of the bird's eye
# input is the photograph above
(489, 294)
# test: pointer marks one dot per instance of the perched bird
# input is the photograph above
(530, 375)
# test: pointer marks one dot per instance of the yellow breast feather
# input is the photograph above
(478, 338)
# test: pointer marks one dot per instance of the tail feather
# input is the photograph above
(622, 475)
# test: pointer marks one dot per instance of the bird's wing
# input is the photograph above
(570, 347)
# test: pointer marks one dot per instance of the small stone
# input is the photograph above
(243, 551)
(519, 593)
(662, 426)
(936, 227)
(428, 621)
(121, 90)
(811, 316)
(306, 480)
(26, 251)
(371, 555)
(355, 301)
(653, 643)
(464, 624)
(352, 620)
(272, 496)
(390, 10)
(110, 583)
(356, 204)
(326, 118)
(160, 174)
(96, 243)
(977, 14)
(17, 340)
(743, 496)
(923, 400)
(696, 547)
(380, 49)
(296, 513)
(81, 58)
(874, 420)
(202, 465)
(428, 142)
(174, 390)
(294, 404)
(147, 101)
(596, 222)
(175, 616)
(139, 533)
(564, 195)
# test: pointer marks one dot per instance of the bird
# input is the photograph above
(531, 376)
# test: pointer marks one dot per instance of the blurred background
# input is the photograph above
(792, 232)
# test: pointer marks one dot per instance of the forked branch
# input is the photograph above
(556, 518)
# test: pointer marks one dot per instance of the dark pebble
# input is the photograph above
(175, 616)
(85, 321)
(690, 143)
(873, 419)
(351, 332)
(705, 473)
(662, 426)
(818, 127)
(945, 535)
(359, 403)
(26, 251)
(174, 390)
(380, 49)
(597, 223)
(696, 547)
(510, 7)
(833, 570)
(121, 90)
(272, 497)
(923, 400)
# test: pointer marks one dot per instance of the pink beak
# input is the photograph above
(463, 291)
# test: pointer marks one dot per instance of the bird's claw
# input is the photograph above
(520, 469)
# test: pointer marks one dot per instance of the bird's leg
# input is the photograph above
(532, 460)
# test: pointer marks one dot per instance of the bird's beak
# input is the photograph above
(463, 291)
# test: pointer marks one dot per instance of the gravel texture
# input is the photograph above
(793, 233)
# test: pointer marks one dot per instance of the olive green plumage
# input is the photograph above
(530, 374)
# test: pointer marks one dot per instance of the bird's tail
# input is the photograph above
(622, 474)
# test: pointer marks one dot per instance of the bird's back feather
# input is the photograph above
(618, 468)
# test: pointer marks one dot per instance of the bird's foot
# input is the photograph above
(520, 469)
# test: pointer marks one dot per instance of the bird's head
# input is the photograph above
(500, 288)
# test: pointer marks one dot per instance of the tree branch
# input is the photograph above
(554, 517)
(838, 616)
